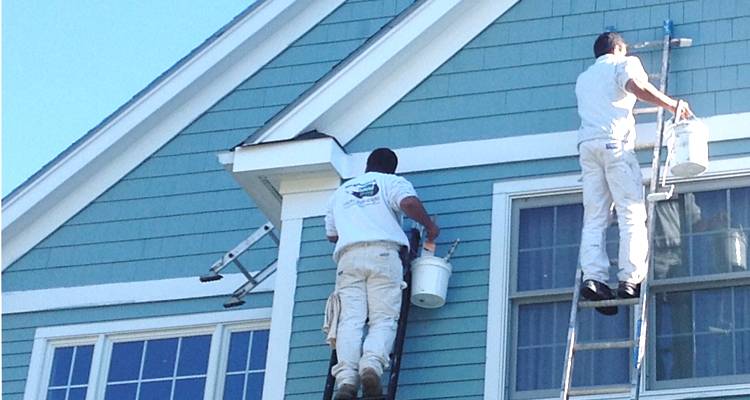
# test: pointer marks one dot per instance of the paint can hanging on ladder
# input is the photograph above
(690, 151)
(430, 275)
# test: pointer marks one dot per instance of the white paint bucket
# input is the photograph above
(691, 147)
(429, 281)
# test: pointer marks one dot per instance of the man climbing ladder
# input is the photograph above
(606, 94)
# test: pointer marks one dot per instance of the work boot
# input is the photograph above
(346, 392)
(371, 388)
(595, 291)
(627, 290)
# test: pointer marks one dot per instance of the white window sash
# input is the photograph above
(103, 334)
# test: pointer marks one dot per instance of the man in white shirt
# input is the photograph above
(606, 94)
(364, 220)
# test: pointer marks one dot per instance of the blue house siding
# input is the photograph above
(444, 350)
(444, 353)
(518, 76)
(19, 329)
(178, 211)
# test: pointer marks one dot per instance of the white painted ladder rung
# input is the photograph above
(609, 303)
(586, 391)
(623, 344)
(645, 110)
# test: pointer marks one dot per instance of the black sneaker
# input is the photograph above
(595, 291)
(346, 392)
(627, 290)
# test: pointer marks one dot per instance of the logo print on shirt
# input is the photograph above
(361, 190)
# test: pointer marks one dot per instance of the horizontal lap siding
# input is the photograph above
(19, 329)
(444, 354)
(179, 211)
(518, 76)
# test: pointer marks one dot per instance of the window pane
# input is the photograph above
(189, 389)
(56, 394)
(61, 366)
(259, 349)
(121, 392)
(536, 227)
(535, 270)
(254, 389)
(239, 344)
(160, 358)
(569, 224)
(126, 361)
(77, 394)
(233, 387)
(194, 355)
(702, 333)
(160, 390)
(82, 365)
(542, 331)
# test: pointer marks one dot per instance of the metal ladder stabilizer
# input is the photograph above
(658, 191)
(232, 257)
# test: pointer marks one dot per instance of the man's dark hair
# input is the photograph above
(382, 160)
(606, 43)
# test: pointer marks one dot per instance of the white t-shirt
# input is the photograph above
(367, 209)
(605, 107)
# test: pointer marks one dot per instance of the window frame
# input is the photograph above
(724, 174)
(104, 334)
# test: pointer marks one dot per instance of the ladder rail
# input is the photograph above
(567, 379)
(641, 320)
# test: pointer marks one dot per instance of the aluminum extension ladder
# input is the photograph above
(658, 191)
(398, 345)
(232, 257)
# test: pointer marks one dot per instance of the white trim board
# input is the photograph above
(124, 293)
(138, 130)
(498, 309)
(274, 385)
(396, 61)
(100, 332)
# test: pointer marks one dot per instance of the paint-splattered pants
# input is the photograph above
(369, 281)
(611, 173)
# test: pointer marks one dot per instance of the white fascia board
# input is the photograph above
(137, 131)
(124, 293)
(392, 65)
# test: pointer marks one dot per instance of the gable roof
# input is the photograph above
(151, 118)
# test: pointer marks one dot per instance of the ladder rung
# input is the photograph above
(624, 344)
(657, 44)
(609, 303)
(583, 391)
(645, 110)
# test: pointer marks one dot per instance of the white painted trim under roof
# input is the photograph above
(262, 168)
(110, 294)
(499, 304)
(142, 126)
(353, 95)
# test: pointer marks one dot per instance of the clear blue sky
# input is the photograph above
(68, 64)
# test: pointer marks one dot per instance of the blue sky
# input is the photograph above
(68, 64)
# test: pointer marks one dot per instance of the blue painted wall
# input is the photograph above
(179, 211)
(518, 76)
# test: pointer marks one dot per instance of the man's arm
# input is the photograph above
(645, 91)
(414, 209)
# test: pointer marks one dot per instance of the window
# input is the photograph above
(68, 378)
(700, 315)
(702, 289)
(193, 357)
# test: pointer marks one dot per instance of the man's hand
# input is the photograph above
(414, 209)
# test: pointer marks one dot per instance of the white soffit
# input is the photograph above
(146, 123)
(354, 95)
